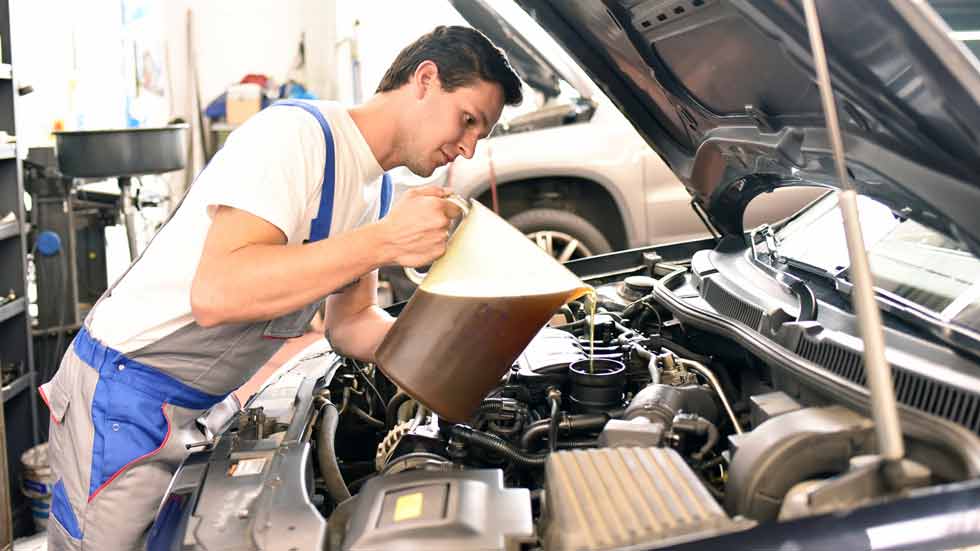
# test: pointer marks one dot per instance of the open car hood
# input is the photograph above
(539, 66)
(726, 92)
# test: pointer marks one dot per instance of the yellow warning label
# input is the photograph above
(408, 506)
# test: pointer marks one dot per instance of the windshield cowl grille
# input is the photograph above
(730, 305)
(912, 389)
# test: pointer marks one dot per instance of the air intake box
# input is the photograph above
(611, 498)
(440, 511)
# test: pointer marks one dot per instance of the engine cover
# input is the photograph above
(611, 498)
(440, 511)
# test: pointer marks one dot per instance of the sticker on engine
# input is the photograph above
(247, 467)
(408, 506)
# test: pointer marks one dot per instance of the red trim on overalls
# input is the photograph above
(47, 403)
(138, 459)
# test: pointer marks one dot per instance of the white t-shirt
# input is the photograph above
(271, 167)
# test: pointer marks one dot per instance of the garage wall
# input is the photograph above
(385, 28)
(69, 52)
(74, 59)
(72, 53)
(232, 39)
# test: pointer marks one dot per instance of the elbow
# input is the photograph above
(205, 307)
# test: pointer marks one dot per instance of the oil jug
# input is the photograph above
(477, 309)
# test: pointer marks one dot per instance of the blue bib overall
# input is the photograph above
(120, 423)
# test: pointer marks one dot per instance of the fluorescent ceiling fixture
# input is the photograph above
(965, 35)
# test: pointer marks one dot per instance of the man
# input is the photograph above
(291, 210)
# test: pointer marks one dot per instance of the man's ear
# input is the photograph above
(425, 78)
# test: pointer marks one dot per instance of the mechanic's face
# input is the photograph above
(448, 124)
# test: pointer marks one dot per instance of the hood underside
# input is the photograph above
(726, 92)
(541, 67)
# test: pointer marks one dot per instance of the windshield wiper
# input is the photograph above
(795, 285)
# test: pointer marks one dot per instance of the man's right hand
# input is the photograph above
(416, 230)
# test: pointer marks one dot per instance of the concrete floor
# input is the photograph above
(37, 542)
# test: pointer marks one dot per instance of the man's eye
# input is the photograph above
(468, 120)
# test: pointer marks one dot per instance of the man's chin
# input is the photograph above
(422, 171)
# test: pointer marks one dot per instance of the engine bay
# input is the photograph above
(625, 449)
(667, 435)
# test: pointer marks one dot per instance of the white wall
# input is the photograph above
(64, 50)
(72, 54)
(232, 39)
(385, 28)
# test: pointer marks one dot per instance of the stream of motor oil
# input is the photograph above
(592, 299)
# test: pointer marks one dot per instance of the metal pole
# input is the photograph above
(128, 209)
(884, 409)
(6, 520)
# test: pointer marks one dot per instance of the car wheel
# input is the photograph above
(563, 235)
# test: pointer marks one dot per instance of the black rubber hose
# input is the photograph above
(713, 436)
(498, 408)
(567, 312)
(391, 410)
(366, 417)
(327, 455)
(492, 443)
(651, 363)
(570, 423)
(488, 406)
(695, 424)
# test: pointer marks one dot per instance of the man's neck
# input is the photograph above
(374, 119)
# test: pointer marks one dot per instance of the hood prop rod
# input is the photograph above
(888, 473)
(884, 409)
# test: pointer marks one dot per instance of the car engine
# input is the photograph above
(667, 435)
(651, 443)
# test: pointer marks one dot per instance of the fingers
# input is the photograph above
(419, 225)
(451, 209)
(433, 191)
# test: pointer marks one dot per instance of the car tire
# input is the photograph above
(562, 223)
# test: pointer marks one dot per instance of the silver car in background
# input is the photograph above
(569, 169)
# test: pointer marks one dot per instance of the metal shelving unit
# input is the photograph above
(15, 387)
(9, 229)
(11, 309)
(19, 396)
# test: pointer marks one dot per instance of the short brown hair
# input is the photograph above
(463, 56)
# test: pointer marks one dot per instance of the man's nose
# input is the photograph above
(467, 146)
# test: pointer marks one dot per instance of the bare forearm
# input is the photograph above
(263, 281)
(358, 336)
(248, 273)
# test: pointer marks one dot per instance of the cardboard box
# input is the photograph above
(242, 101)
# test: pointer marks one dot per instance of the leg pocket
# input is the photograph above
(63, 512)
(129, 427)
(56, 399)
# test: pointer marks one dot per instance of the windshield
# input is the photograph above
(908, 260)
(963, 18)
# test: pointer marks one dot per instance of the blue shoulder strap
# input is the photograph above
(320, 226)
(385, 195)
